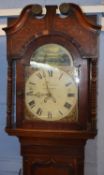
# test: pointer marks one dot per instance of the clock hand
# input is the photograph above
(48, 97)
(46, 83)
(54, 100)
(48, 89)
(50, 94)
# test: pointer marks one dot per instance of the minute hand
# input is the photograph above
(49, 92)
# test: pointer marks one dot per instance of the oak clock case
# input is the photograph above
(51, 90)
(51, 86)
(52, 78)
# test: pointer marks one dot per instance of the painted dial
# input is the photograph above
(50, 94)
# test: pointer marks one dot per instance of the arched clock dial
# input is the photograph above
(50, 94)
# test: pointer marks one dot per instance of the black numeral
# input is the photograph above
(31, 83)
(60, 112)
(67, 84)
(67, 105)
(39, 111)
(30, 93)
(39, 75)
(70, 95)
(32, 103)
(60, 76)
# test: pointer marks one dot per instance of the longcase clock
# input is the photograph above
(52, 77)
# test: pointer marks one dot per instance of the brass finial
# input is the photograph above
(36, 10)
(65, 9)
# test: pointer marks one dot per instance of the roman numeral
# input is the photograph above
(60, 112)
(32, 103)
(67, 105)
(70, 94)
(60, 76)
(39, 75)
(30, 93)
(31, 83)
(67, 84)
(39, 111)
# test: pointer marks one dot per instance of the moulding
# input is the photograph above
(92, 9)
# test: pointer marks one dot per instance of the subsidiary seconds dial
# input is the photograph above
(50, 94)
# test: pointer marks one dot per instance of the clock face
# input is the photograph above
(50, 87)
(51, 94)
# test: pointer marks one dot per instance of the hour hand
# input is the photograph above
(49, 97)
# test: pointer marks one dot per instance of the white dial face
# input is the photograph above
(50, 94)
